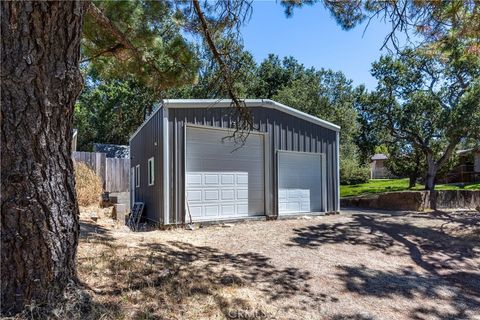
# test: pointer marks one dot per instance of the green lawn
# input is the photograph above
(386, 185)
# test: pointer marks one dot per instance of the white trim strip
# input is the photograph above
(266, 174)
(323, 159)
(166, 166)
(338, 170)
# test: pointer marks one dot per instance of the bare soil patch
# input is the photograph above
(355, 265)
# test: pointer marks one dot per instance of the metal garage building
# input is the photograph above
(183, 161)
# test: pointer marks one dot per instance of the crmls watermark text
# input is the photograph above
(246, 314)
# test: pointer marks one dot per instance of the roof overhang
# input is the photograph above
(250, 103)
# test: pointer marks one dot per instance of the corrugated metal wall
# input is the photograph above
(147, 143)
(285, 132)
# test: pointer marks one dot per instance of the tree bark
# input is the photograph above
(40, 81)
(412, 182)
(430, 179)
(431, 172)
(415, 173)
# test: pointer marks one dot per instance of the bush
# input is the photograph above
(352, 173)
(87, 184)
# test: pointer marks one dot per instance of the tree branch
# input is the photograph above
(101, 53)
(105, 22)
(108, 26)
(448, 152)
(224, 70)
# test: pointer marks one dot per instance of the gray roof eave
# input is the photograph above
(266, 103)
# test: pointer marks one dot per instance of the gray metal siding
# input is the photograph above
(285, 132)
(147, 143)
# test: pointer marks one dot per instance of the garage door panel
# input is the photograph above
(194, 179)
(196, 211)
(228, 194)
(293, 206)
(211, 179)
(305, 207)
(299, 182)
(211, 210)
(242, 208)
(228, 210)
(231, 179)
(228, 179)
(212, 195)
(194, 195)
(242, 194)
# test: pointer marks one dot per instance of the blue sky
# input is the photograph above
(314, 38)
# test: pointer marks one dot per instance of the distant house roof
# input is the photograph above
(112, 150)
(379, 156)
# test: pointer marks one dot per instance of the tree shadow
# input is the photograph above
(171, 274)
(351, 317)
(460, 291)
(380, 233)
(92, 231)
(449, 262)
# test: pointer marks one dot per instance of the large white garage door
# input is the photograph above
(224, 180)
(300, 182)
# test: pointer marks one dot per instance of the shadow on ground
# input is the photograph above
(133, 278)
(92, 231)
(163, 278)
(446, 253)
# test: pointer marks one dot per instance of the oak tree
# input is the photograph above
(429, 102)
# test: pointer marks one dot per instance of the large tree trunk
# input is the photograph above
(40, 81)
(412, 182)
(430, 179)
(431, 172)
(415, 173)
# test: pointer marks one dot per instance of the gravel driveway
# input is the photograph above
(356, 265)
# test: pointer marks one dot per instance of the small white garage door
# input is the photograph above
(224, 180)
(300, 182)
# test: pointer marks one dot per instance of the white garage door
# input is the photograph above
(300, 182)
(224, 180)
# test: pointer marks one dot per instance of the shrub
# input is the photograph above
(352, 173)
(87, 184)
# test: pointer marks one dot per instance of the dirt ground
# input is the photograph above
(357, 265)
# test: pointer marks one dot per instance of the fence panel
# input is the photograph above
(114, 172)
(95, 160)
(117, 174)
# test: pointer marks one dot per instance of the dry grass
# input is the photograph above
(352, 266)
(87, 184)
(349, 266)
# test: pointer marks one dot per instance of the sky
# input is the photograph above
(313, 37)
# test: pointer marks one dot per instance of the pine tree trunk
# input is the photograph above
(40, 81)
